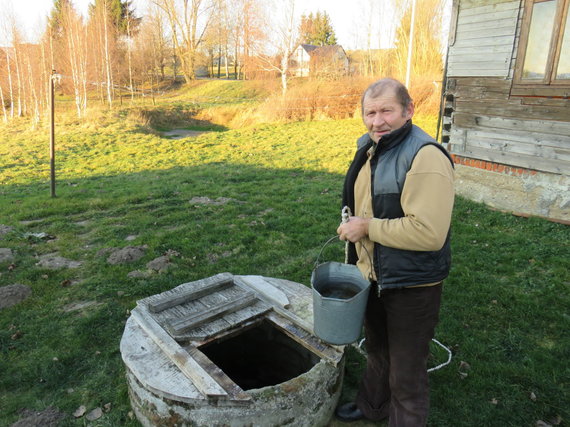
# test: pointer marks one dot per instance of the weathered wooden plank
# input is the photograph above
(512, 109)
(474, 50)
(555, 102)
(453, 71)
(187, 296)
(153, 368)
(332, 354)
(480, 66)
(484, 25)
(483, 41)
(487, 82)
(541, 91)
(516, 143)
(481, 93)
(489, 57)
(182, 325)
(264, 289)
(234, 391)
(186, 286)
(457, 140)
(486, 15)
(474, 7)
(520, 160)
(187, 365)
(473, 33)
(550, 129)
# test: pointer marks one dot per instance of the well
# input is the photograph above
(230, 351)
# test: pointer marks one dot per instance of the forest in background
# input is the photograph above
(116, 53)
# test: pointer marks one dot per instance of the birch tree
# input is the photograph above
(75, 39)
(188, 20)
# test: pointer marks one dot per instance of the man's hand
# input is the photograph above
(355, 229)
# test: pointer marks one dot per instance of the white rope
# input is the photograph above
(435, 368)
(345, 214)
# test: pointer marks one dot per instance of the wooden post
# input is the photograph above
(410, 45)
(52, 133)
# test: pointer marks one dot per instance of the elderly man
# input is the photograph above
(400, 189)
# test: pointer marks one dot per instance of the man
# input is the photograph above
(400, 189)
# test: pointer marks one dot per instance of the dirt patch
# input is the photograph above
(56, 262)
(202, 200)
(160, 264)
(182, 133)
(81, 305)
(13, 294)
(5, 229)
(127, 255)
(6, 255)
(49, 417)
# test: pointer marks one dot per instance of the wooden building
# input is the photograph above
(506, 112)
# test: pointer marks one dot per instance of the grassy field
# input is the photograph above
(505, 309)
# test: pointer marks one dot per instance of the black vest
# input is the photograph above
(396, 268)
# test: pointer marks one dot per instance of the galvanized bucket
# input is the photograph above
(340, 294)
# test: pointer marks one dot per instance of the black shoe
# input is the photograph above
(349, 412)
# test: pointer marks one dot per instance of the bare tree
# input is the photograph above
(287, 38)
(427, 51)
(75, 38)
(183, 17)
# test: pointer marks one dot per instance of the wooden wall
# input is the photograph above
(485, 119)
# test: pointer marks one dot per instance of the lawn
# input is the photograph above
(277, 186)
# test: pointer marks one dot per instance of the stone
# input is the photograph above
(95, 414)
(13, 294)
(56, 262)
(5, 229)
(160, 264)
(6, 255)
(137, 274)
(127, 255)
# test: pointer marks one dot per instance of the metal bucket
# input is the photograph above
(340, 294)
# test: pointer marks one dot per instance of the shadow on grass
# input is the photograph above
(502, 314)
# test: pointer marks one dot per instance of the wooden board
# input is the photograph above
(179, 356)
(190, 295)
(333, 354)
(184, 324)
(484, 40)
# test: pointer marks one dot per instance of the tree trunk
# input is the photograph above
(3, 105)
(108, 71)
(10, 84)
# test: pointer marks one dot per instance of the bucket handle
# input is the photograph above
(338, 237)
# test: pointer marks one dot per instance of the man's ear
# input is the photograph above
(410, 111)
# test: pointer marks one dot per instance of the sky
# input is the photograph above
(346, 16)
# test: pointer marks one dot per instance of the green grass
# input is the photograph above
(505, 308)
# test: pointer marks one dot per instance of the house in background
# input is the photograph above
(301, 59)
(506, 112)
(310, 60)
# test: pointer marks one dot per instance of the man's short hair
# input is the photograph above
(380, 86)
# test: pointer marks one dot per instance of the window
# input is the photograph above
(543, 60)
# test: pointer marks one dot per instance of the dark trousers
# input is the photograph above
(398, 328)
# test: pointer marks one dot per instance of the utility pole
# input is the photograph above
(54, 77)
(410, 44)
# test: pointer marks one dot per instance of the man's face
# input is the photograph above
(384, 113)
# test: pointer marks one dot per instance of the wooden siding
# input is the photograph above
(489, 124)
(483, 43)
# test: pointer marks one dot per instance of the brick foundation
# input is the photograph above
(492, 166)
